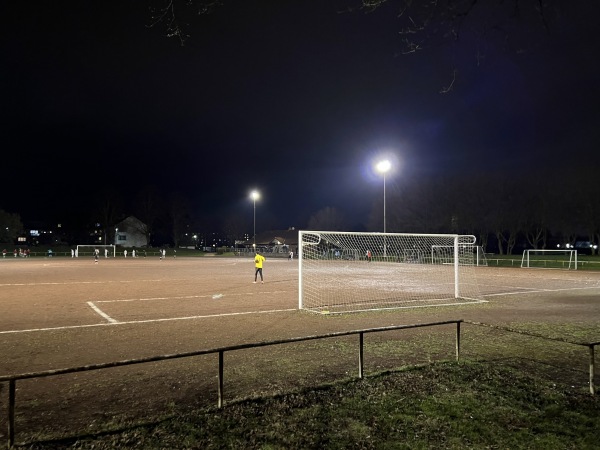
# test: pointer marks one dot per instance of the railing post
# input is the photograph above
(360, 355)
(220, 401)
(11, 413)
(458, 341)
(592, 387)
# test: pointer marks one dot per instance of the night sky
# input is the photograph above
(294, 98)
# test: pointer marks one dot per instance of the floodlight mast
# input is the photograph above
(254, 195)
(383, 167)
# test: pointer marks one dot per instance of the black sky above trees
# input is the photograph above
(293, 98)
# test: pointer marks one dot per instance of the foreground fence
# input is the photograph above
(590, 345)
(13, 379)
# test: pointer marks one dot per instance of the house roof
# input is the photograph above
(130, 220)
(276, 237)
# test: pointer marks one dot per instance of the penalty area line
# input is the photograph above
(102, 313)
(539, 291)
(133, 322)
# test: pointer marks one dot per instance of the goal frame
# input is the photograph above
(526, 260)
(98, 246)
(460, 243)
(480, 258)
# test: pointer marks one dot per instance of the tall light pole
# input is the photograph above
(254, 195)
(383, 167)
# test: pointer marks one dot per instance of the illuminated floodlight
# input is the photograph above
(254, 195)
(383, 167)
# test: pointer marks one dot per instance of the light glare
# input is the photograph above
(383, 166)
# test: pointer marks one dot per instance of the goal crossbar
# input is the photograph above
(549, 259)
(88, 249)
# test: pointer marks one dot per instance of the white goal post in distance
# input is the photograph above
(549, 259)
(88, 250)
(478, 252)
(337, 275)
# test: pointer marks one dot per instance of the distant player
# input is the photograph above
(258, 264)
(96, 255)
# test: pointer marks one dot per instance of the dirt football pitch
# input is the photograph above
(69, 312)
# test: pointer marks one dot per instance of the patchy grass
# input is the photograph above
(443, 405)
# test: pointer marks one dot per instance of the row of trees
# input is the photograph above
(505, 212)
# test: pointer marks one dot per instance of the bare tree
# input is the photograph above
(108, 212)
(533, 205)
(179, 215)
(10, 226)
(516, 26)
(174, 15)
(234, 227)
(149, 208)
(587, 196)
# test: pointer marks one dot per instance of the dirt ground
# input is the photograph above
(70, 312)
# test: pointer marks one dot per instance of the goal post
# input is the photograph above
(549, 259)
(357, 271)
(88, 250)
(438, 252)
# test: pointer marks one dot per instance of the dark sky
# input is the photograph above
(293, 98)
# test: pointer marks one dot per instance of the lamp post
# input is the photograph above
(116, 236)
(383, 167)
(254, 195)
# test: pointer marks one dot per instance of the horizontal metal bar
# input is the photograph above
(48, 373)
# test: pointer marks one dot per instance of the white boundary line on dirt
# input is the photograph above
(537, 291)
(132, 322)
(51, 283)
(102, 313)
(220, 295)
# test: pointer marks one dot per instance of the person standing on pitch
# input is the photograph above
(258, 264)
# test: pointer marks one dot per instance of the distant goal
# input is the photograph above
(336, 274)
(549, 259)
(88, 250)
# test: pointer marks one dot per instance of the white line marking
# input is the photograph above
(146, 321)
(540, 290)
(187, 297)
(79, 282)
(102, 313)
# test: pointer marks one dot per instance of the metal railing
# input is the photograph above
(12, 379)
(591, 346)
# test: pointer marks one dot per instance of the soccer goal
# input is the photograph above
(386, 271)
(444, 254)
(549, 259)
(88, 250)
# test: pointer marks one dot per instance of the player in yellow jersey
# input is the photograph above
(258, 263)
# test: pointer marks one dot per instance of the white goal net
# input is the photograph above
(346, 272)
(108, 250)
(549, 259)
